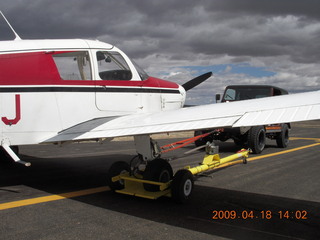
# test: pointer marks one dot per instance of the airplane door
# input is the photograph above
(117, 99)
(115, 89)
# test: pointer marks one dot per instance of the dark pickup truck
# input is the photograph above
(252, 137)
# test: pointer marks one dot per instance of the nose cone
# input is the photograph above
(183, 95)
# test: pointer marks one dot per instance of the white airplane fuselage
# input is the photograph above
(47, 86)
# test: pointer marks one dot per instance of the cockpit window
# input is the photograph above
(143, 75)
(112, 66)
(73, 65)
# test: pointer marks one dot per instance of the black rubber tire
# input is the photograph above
(202, 141)
(257, 139)
(116, 169)
(182, 186)
(283, 137)
(158, 170)
(239, 142)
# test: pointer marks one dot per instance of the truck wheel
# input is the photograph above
(116, 169)
(202, 141)
(239, 142)
(182, 186)
(158, 170)
(283, 137)
(257, 139)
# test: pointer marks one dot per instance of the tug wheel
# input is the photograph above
(158, 170)
(182, 186)
(116, 169)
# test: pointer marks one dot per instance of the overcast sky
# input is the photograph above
(272, 42)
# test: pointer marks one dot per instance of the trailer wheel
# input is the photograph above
(116, 169)
(182, 186)
(257, 139)
(283, 137)
(158, 170)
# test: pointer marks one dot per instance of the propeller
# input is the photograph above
(196, 81)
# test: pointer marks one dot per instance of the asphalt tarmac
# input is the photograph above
(63, 195)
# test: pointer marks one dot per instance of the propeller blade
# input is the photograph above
(196, 81)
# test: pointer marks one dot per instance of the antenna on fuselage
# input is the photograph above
(14, 32)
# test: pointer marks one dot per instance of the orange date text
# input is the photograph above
(264, 214)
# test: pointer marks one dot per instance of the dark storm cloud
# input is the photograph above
(168, 35)
(309, 8)
(57, 19)
(236, 28)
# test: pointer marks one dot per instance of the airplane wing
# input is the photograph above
(271, 110)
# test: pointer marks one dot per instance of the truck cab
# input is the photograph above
(244, 92)
(252, 137)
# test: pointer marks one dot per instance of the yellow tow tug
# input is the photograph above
(123, 179)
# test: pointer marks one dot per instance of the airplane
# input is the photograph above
(70, 90)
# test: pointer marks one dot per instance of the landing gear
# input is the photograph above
(158, 170)
(152, 177)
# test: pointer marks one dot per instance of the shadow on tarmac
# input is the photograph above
(252, 220)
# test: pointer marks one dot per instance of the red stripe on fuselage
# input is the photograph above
(39, 68)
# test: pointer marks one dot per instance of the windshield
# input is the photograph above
(143, 75)
(112, 66)
(237, 94)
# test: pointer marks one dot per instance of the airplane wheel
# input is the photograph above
(283, 137)
(116, 169)
(182, 186)
(158, 170)
(257, 139)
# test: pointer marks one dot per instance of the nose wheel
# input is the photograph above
(158, 170)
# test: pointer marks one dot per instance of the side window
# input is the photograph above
(73, 65)
(112, 66)
(230, 95)
(276, 92)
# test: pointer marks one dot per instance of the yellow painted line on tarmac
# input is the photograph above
(300, 138)
(283, 152)
(50, 198)
(271, 154)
